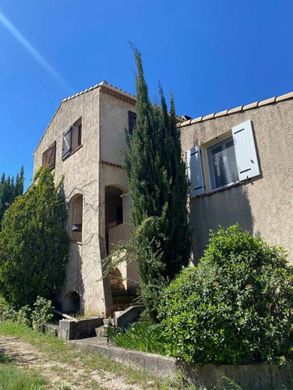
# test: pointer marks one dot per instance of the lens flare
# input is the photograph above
(33, 52)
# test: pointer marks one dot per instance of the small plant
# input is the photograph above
(140, 336)
(41, 313)
(6, 311)
(24, 316)
(235, 306)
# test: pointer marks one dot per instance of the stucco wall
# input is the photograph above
(81, 175)
(113, 122)
(264, 205)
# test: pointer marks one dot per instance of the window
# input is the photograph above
(72, 139)
(131, 121)
(222, 163)
(229, 161)
(75, 213)
(49, 157)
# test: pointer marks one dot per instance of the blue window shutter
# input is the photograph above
(194, 171)
(245, 151)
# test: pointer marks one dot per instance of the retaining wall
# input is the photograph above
(249, 377)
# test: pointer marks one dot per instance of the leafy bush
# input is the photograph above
(235, 306)
(41, 313)
(140, 336)
(24, 316)
(34, 244)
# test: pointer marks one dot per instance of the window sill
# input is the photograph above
(70, 154)
(221, 189)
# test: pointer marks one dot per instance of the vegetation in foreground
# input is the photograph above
(234, 307)
(58, 350)
(14, 378)
(141, 336)
(34, 243)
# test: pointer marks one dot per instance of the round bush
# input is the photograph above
(234, 307)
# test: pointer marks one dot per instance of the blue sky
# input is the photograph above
(212, 55)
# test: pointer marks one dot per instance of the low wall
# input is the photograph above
(72, 330)
(127, 316)
(249, 377)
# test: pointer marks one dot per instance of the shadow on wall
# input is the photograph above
(223, 208)
(72, 297)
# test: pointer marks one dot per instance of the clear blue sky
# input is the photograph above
(212, 55)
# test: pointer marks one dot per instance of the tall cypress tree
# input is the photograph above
(158, 190)
(9, 190)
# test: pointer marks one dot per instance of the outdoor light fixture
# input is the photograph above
(76, 227)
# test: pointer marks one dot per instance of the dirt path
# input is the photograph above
(61, 375)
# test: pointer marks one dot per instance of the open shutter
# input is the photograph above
(194, 171)
(52, 156)
(245, 151)
(66, 146)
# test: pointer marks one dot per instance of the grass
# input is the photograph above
(14, 378)
(58, 350)
(141, 336)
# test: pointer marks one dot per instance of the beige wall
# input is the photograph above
(263, 205)
(81, 175)
(113, 122)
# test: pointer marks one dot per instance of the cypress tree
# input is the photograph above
(158, 190)
(9, 190)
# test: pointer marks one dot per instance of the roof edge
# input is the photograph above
(246, 107)
(103, 84)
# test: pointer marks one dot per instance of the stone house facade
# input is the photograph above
(239, 162)
(84, 143)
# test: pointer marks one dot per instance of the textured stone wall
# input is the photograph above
(95, 165)
(263, 205)
(80, 171)
(113, 123)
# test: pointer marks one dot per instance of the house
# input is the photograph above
(240, 165)
(84, 143)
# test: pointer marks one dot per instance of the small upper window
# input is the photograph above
(131, 121)
(49, 156)
(72, 139)
(222, 163)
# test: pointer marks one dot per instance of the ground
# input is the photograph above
(60, 375)
(64, 367)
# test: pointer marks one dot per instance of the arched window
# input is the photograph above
(75, 218)
(71, 302)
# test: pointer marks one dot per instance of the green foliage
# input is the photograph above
(24, 316)
(142, 337)
(9, 190)
(14, 378)
(158, 190)
(235, 306)
(41, 313)
(33, 244)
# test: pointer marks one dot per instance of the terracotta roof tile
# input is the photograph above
(246, 107)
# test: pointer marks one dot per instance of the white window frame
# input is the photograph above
(245, 149)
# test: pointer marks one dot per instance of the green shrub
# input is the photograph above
(140, 336)
(34, 243)
(41, 313)
(24, 316)
(234, 307)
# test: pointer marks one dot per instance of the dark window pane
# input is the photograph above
(131, 121)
